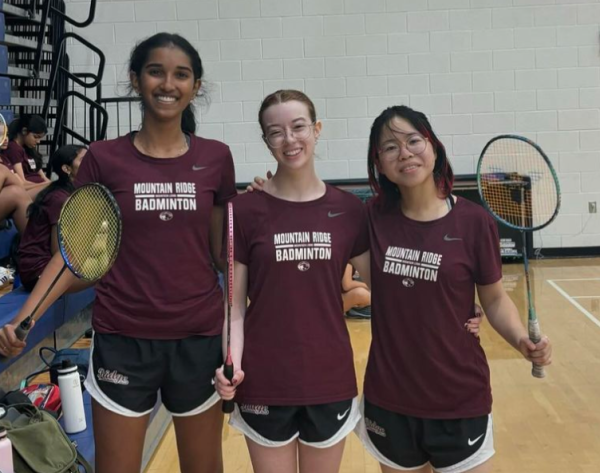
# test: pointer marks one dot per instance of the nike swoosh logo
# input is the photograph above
(341, 416)
(473, 442)
(449, 238)
(333, 215)
(198, 168)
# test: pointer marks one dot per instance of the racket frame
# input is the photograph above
(521, 228)
(228, 368)
(61, 238)
(3, 123)
(22, 330)
(533, 325)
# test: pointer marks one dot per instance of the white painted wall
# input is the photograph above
(477, 67)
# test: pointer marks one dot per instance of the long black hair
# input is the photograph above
(65, 155)
(387, 192)
(139, 57)
(34, 124)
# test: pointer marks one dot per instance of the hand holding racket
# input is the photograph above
(89, 216)
(519, 187)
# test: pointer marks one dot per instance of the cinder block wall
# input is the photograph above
(477, 67)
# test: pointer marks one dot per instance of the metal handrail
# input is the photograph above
(119, 100)
(57, 67)
(61, 129)
(79, 24)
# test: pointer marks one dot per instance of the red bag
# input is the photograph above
(44, 396)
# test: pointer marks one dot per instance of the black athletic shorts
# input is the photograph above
(405, 442)
(319, 426)
(127, 374)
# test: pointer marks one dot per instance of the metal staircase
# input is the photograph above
(35, 76)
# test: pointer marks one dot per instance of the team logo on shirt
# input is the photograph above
(254, 409)
(304, 266)
(302, 246)
(372, 426)
(166, 216)
(413, 264)
(408, 282)
(165, 197)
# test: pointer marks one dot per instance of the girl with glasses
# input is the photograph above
(427, 395)
(294, 384)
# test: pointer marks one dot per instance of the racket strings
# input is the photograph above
(518, 184)
(90, 232)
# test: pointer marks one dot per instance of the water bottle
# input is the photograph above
(71, 398)
(6, 458)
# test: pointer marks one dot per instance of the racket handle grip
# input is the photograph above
(21, 333)
(23, 328)
(228, 406)
(537, 371)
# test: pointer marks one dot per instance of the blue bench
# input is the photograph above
(57, 315)
(6, 239)
(8, 115)
(3, 59)
(9, 307)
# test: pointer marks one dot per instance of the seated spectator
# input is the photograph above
(14, 200)
(32, 188)
(355, 294)
(40, 240)
(25, 133)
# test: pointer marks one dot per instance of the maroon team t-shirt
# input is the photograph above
(17, 155)
(296, 345)
(35, 250)
(162, 284)
(423, 362)
(5, 161)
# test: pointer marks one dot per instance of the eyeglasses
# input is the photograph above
(276, 137)
(416, 144)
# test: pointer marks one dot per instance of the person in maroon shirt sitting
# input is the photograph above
(158, 313)
(40, 240)
(294, 381)
(25, 134)
(427, 395)
(13, 199)
(32, 188)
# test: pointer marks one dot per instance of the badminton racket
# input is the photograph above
(519, 187)
(228, 366)
(89, 235)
